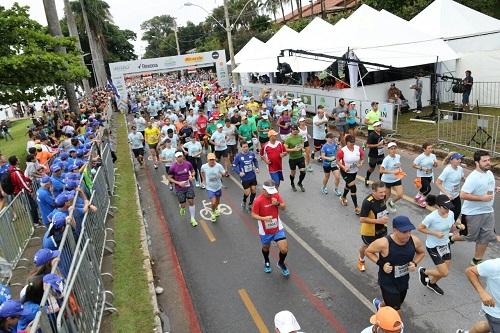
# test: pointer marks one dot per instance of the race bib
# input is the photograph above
(342, 115)
(248, 167)
(456, 188)
(381, 151)
(353, 167)
(382, 214)
(400, 271)
(272, 224)
(443, 250)
(333, 164)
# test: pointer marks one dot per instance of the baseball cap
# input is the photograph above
(55, 282)
(12, 308)
(272, 132)
(45, 180)
(374, 103)
(302, 119)
(265, 116)
(64, 197)
(377, 123)
(352, 102)
(269, 187)
(55, 167)
(80, 152)
(71, 184)
(79, 163)
(392, 144)
(178, 154)
(4, 293)
(219, 126)
(456, 156)
(294, 127)
(72, 167)
(72, 150)
(285, 322)
(443, 201)
(64, 155)
(59, 220)
(43, 256)
(387, 319)
(402, 223)
(211, 156)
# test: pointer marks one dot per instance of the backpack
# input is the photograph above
(6, 183)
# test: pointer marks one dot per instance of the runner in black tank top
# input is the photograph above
(397, 255)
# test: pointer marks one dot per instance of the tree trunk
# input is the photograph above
(55, 30)
(291, 3)
(282, 11)
(323, 9)
(73, 32)
(274, 14)
(299, 8)
(97, 62)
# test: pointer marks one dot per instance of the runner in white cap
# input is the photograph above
(285, 322)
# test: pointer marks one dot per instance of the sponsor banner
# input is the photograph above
(309, 100)
(328, 102)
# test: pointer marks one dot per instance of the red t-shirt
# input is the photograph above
(272, 152)
(263, 206)
(201, 124)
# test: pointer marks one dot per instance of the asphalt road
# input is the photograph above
(222, 264)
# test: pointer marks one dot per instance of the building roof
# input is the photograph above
(315, 9)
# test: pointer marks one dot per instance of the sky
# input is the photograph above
(129, 14)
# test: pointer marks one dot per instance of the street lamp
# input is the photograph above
(228, 27)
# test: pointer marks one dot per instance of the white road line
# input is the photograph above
(336, 274)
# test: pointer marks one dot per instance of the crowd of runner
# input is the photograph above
(202, 133)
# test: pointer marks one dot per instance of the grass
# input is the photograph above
(18, 146)
(456, 131)
(135, 312)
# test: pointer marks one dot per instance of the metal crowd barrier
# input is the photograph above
(109, 168)
(16, 230)
(469, 130)
(485, 93)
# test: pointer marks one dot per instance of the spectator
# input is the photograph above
(44, 261)
(20, 182)
(10, 313)
(418, 92)
(468, 81)
(45, 198)
(385, 320)
(53, 235)
(42, 155)
(285, 322)
(33, 169)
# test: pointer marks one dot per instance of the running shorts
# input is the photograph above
(249, 183)
(214, 194)
(394, 300)
(267, 239)
(374, 161)
(480, 228)
(138, 152)
(328, 169)
(182, 196)
(220, 153)
(348, 177)
(277, 177)
(437, 257)
(396, 183)
(318, 144)
(297, 163)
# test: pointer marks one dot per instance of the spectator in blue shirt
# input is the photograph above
(10, 312)
(53, 235)
(45, 198)
(56, 179)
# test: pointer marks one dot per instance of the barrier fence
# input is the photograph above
(470, 130)
(486, 93)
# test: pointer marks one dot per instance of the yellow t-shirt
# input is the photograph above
(152, 135)
(373, 117)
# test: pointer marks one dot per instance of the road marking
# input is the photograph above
(257, 319)
(206, 212)
(207, 230)
(365, 301)
(405, 197)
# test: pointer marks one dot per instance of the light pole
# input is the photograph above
(176, 38)
(228, 27)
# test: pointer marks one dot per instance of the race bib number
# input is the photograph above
(443, 250)
(382, 214)
(248, 167)
(456, 188)
(381, 151)
(272, 224)
(353, 167)
(342, 115)
(333, 164)
(400, 271)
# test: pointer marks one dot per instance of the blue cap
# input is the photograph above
(12, 308)
(79, 163)
(64, 197)
(72, 150)
(55, 282)
(402, 223)
(45, 180)
(4, 293)
(71, 184)
(73, 176)
(88, 146)
(80, 152)
(72, 167)
(43, 256)
(59, 220)
(64, 155)
(55, 167)
(456, 156)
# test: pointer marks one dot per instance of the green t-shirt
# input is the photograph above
(263, 124)
(253, 122)
(295, 115)
(211, 128)
(294, 141)
(246, 131)
(373, 117)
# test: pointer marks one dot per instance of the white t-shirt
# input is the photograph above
(173, 140)
(191, 120)
(193, 148)
(479, 183)
(391, 164)
(213, 176)
(136, 140)
(168, 154)
(230, 133)
(165, 128)
(319, 129)
(490, 269)
(369, 329)
(452, 178)
(436, 222)
(220, 140)
(426, 162)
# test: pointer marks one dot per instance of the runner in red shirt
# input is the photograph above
(201, 124)
(272, 153)
(266, 211)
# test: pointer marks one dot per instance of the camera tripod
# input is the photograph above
(480, 137)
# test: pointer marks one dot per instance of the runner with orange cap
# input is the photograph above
(386, 320)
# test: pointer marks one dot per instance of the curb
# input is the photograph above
(147, 256)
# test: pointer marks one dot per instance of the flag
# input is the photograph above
(111, 86)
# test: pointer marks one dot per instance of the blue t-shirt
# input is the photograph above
(351, 117)
(246, 163)
(426, 162)
(269, 104)
(452, 178)
(436, 222)
(51, 242)
(330, 150)
(490, 270)
(57, 185)
(213, 176)
(46, 203)
(391, 164)
(4, 168)
(479, 183)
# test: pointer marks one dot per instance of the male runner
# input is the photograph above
(152, 136)
(246, 165)
(319, 130)
(266, 211)
(181, 173)
(375, 143)
(272, 154)
(294, 145)
(211, 176)
(136, 140)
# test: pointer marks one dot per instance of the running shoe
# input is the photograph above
(284, 270)
(357, 210)
(475, 262)
(320, 160)
(366, 182)
(417, 197)
(337, 192)
(193, 222)
(203, 186)
(343, 201)
(435, 288)
(217, 212)
(324, 190)
(376, 303)
(267, 267)
(171, 188)
(361, 265)
(422, 203)
(294, 188)
(197, 184)
(213, 218)
(182, 211)
(461, 331)
(424, 279)
(309, 168)
(301, 187)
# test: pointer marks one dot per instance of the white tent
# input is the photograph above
(248, 51)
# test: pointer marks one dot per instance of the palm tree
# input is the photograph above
(299, 7)
(272, 6)
(55, 30)
(291, 4)
(282, 11)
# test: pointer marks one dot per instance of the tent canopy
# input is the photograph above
(248, 51)
(448, 19)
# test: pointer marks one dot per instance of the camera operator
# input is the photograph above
(468, 81)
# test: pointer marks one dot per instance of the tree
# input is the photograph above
(28, 59)
(157, 31)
